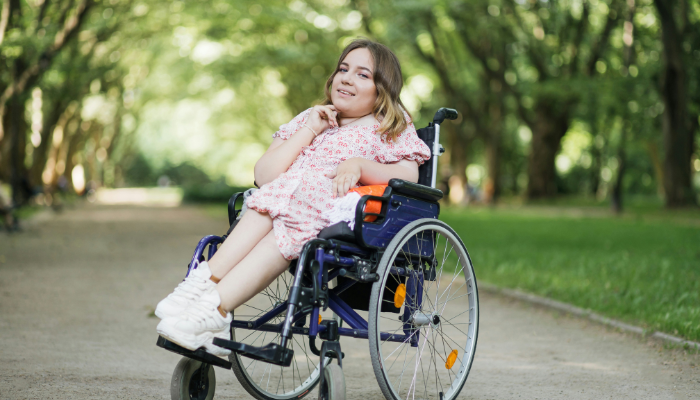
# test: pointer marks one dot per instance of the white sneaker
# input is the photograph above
(198, 325)
(188, 291)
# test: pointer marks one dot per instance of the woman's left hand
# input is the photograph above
(346, 176)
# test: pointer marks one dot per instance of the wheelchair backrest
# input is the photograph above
(425, 171)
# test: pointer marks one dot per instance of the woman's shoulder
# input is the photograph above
(302, 116)
(407, 117)
(409, 133)
(287, 130)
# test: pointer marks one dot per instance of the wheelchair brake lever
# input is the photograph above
(315, 266)
(319, 295)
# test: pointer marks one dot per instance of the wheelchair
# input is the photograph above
(402, 279)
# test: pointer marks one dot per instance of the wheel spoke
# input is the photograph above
(431, 363)
(268, 379)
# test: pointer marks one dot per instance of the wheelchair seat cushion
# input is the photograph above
(373, 206)
(339, 231)
(344, 208)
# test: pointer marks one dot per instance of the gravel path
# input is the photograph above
(77, 292)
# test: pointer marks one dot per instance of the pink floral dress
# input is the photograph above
(297, 199)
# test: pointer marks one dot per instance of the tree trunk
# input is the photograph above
(76, 142)
(596, 153)
(653, 151)
(4, 152)
(678, 140)
(492, 188)
(41, 153)
(16, 127)
(548, 127)
(627, 54)
(458, 142)
(596, 165)
(616, 197)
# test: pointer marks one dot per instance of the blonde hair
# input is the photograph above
(388, 108)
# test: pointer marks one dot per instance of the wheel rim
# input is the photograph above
(446, 320)
(269, 380)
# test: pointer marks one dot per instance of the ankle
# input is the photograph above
(215, 279)
(223, 312)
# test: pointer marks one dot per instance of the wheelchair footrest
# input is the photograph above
(199, 354)
(271, 353)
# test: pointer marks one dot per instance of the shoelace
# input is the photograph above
(199, 311)
(183, 288)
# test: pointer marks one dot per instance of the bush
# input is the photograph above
(197, 186)
(211, 192)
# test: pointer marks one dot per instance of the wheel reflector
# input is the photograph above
(451, 359)
(399, 295)
(320, 318)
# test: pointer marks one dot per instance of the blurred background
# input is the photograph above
(577, 105)
(589, 98)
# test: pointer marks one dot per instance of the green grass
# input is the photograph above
(643, 269)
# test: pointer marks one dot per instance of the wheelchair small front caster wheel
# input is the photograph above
(333, 387)
(192, 380)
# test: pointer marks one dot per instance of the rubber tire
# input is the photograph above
(377, 291)
(333, 387)
(180, 382)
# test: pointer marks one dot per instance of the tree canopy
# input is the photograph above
(595, 97)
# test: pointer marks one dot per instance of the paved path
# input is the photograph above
(76, 292)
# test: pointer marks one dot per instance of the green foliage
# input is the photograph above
(643, 271)
(138, 172)
(208, 83)
(197, 186)
(213, 192)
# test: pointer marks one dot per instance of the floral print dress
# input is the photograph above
(297, 199)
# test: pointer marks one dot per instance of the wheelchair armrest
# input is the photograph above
(411, 189)
(401, 203)
(232, 211)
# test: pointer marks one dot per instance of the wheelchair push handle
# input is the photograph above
(444, 113)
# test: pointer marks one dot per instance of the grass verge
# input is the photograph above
(645, 272)
(643, 268)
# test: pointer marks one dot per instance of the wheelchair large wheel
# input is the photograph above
(262, 380)
(438, 328)
(192, 380)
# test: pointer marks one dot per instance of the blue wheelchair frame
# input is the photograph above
(326, 254)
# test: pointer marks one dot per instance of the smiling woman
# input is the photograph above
(361, 135)
(371, 67)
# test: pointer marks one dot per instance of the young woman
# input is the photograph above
(360, 135)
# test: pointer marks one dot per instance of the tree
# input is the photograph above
(31, 45)
(59, 51)
(679, 125)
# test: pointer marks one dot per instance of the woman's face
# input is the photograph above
(353, 92)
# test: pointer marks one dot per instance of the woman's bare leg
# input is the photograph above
(252, 274)
(251, 229)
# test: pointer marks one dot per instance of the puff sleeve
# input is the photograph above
(407, 146)
(287, 130)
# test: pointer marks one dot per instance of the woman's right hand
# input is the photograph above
(322, 118)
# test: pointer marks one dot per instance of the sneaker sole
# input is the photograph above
(193, 342)
(208, 346)
(188, 341)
